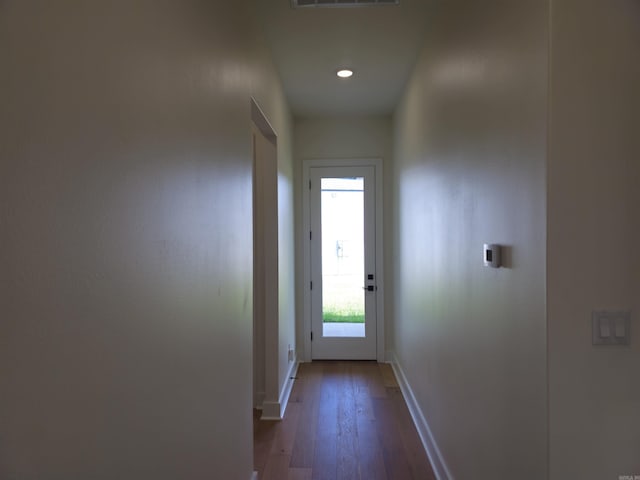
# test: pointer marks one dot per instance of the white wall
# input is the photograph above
(271, 100)
(470, 137)
(270, 97)
(125, 238)
(593, 236)
(342, 137)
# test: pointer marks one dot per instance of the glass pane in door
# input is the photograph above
(342, 217)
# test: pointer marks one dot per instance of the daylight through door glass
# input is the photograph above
(342, 208)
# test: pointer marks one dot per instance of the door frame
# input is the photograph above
(265, 333)
(306, 228)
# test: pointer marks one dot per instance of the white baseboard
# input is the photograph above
(275, 410)
(270, 411)
(258, 400)
(388, 356)
(288, 386)
(428, 442)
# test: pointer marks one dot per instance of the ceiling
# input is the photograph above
(380, 43)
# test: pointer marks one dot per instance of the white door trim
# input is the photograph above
(306, 225)
(266, 335)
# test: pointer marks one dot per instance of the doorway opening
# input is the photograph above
(265, 260)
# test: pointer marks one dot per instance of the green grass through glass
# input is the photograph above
(336, 316)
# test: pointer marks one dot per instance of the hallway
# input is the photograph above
(127, 174)
(345, 420)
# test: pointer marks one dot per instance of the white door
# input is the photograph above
(343, 262)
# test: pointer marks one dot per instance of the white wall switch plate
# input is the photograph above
(611, 327)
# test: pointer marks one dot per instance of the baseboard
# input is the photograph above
(287, 387)
(254, 476)
(428, 442)
(270, 411)
(275, 410)
(258, 400)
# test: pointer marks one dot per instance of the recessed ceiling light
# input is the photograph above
(345, 73)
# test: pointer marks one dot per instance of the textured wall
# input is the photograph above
(125, 246)
(470, 138)
(594, 233)
(268, 92)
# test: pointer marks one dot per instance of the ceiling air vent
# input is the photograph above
(341, 3)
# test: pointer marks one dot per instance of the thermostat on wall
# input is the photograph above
(491, 255)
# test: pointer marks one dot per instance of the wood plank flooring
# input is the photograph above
(344, 421)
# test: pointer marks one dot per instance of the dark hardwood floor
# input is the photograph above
(345, 420)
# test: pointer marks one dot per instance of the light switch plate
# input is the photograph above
(611, 327)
